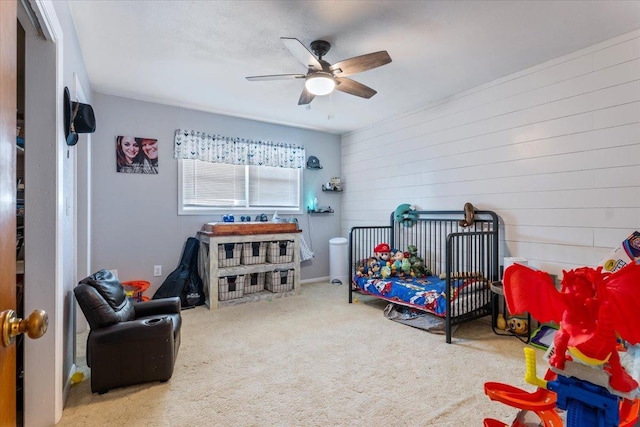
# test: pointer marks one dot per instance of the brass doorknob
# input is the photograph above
(35, 325)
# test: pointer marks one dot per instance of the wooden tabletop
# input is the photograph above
(245, 228)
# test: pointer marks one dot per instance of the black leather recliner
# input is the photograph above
(129, 342)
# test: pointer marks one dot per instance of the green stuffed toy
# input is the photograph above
(405, 214)
(418, 267)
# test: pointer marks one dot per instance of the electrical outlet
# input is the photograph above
(157, 270)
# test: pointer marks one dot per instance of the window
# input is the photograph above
(205, 187)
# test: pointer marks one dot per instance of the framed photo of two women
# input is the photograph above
(136, 155)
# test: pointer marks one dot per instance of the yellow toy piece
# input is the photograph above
(77, 377)
(531, 374)
(500, 322)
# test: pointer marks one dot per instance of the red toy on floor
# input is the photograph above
(592, 309)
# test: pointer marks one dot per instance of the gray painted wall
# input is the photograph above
(135, 221)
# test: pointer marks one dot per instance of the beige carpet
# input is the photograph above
(313, 360)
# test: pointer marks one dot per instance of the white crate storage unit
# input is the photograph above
(255, 251)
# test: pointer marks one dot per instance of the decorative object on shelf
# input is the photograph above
(313, 163)
(332, 185)
(329, 188)
(78, 118)
(326, 209)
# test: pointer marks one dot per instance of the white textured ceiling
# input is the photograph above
(196, 54)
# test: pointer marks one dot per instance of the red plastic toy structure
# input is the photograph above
(542, 402)
(591, 307)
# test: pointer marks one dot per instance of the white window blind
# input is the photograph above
(205, 186)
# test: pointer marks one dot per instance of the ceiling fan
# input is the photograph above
(322, 78)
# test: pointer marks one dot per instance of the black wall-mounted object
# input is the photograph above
(313, 163)
(78, 118)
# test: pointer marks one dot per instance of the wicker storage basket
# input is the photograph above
(253, 282)
(279, 252)
(230, 287)
(254, 253)
(279, 280)
(229, 254)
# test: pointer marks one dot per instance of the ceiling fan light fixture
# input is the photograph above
(320, 84)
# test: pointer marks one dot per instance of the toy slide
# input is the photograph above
(541, 401)
(490, 422)
(629, 412)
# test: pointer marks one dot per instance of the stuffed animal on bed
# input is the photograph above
(418, 268)
(373, 268)
(406, 267)
(382, 252)
(369, 267)
(396, 263)
(385, 271)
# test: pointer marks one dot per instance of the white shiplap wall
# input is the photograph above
(554, 150)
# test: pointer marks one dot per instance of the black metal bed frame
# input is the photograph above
(446, 248)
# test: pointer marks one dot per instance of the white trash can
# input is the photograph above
(338, 261)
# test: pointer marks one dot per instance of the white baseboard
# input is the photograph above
(314, 280)
(67, 383)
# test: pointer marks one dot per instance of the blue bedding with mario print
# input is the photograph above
(425, 293)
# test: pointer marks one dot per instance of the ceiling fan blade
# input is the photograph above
(352, 87)
(359, 64)
(305, 97)
(301, 53)
(276, 77)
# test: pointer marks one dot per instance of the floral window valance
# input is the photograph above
(190, 144)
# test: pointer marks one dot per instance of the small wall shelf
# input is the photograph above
(331, 190)
(324, 211)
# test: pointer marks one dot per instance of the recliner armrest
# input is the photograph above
(134, 330)
(157, 307)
